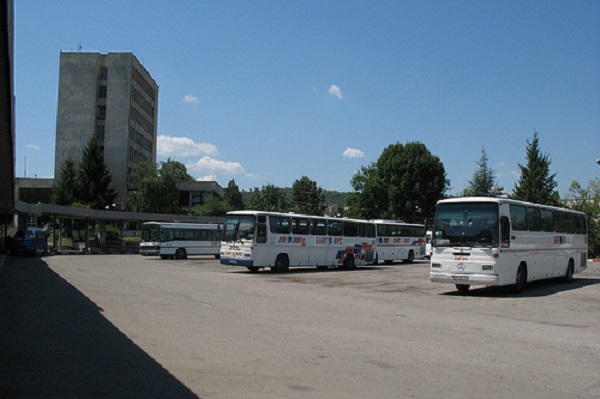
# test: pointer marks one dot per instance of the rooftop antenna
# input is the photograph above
(79, 46)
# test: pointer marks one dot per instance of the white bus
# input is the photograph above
(255, 240)
(495, 241)
(178, 240)
(399, 241)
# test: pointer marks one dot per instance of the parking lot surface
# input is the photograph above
(132, 326)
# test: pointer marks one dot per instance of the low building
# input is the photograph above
(192, 193)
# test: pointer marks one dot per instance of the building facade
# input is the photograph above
(7, 112)
(113, 97)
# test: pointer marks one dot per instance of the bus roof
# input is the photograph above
(293, 214)
(185, 225)
(501, 201)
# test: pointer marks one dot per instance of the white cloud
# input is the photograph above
(335, 90)
(183, 147)
(213, 165)
(33, 147)
(190, 98)
(207, 178)
(353, 153)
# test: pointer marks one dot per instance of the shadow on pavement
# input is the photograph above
(533, 289)
(55, 343)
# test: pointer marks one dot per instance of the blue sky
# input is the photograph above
(265, 92)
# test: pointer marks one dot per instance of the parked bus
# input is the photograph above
(255, 240)
(178, 240)
(495, 241)
(399, 241)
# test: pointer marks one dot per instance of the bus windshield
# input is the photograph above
(150, 233)
(466, 224)
(239, 228)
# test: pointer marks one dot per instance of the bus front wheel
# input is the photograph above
(180, 254)
(520, 280)
(463, 287)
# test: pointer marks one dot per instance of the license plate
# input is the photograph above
(460, 278)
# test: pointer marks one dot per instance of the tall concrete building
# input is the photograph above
(113, 96)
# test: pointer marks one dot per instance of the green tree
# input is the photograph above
(536, 184)
(588, 200)
(307, 197)
(170, 173)
(156, 189)
(174, 170)
(405, 183)
(269, 198)
(233, 197)
(93, 178)
(483, 183)
(147, 193)
(63, 191)
(365, 201)
(213, 206)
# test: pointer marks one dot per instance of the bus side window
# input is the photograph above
(504, 232)
(261, 233)
(370, 230)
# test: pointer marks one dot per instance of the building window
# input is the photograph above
(101, 112)
(102, 92)
(100, 133)
(103, 72)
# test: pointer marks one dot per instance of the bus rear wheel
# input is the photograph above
(568, 277)
(411, 257)
(282, 264)
(348, 263)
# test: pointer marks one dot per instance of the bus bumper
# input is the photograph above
(236, 262)
(464, 278)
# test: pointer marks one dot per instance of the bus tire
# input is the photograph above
(164, 257)
(218, 256)
(348, 263)
(282, 264)
(520, 279)
(462, 287)
(411, 257)
(568, 277)
(180, 254)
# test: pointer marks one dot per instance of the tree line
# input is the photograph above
(404, 183)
